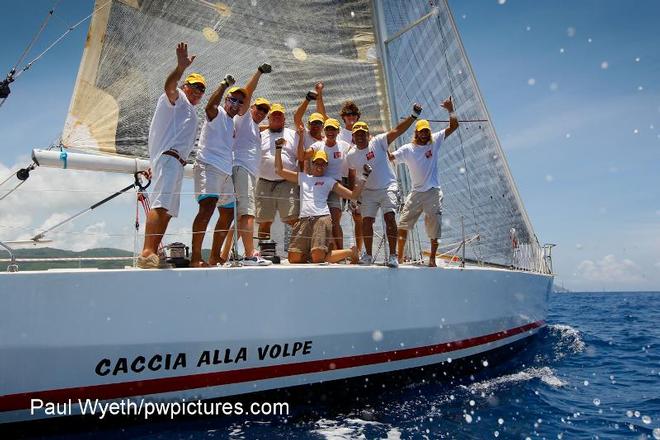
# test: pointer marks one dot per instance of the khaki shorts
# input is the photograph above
(245, 184)
(372, 199)
(311, 233)
(211, 182)
(280, 197)
(430, 203)
(166, 184)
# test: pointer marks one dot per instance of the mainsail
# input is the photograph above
(384, 55)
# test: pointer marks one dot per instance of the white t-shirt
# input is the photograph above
(173, 126)
(337, 166)
(308, 140)
(247, 142)
(422, 161)
(289, 150)
(216, 140)
(382, 176)
(345, 135)
(314, 192)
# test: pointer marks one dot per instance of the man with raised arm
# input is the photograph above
(312, 233)
(314, 131)
(335, 151)
(421, 156)
(274, 194)
(171, 139)
(212, 169)
(380, 191)
(247, 159)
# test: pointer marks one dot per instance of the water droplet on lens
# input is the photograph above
(647, 420)
(586, 383)
(597, 402)
(656, 433)
(468, 418)
(500, 421)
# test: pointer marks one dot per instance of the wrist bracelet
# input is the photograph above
(452, 114)
(414, 116)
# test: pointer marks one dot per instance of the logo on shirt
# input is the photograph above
(337, 155)
(370, 155)
(319, 182)
(428, 154)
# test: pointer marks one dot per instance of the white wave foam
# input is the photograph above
(545, 374)
(348, 428)
(569, 340)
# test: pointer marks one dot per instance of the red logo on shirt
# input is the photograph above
(428, 154)
(319, 182)
(337, 155)
(370, 155)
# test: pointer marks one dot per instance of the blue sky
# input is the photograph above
(571, 87)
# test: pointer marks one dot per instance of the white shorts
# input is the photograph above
(166, 184)
(211, 182)
(372, 199)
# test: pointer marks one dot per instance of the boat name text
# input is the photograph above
(174, 361)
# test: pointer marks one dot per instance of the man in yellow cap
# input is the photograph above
(312, 239)
(276, 196)
(336, 151)
(212, 171)
(381, 188)
(247, 158)
(171, 139)
(421, 156)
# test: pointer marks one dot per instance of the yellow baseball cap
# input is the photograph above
(262, 101)
(320, 154)
(277, 108)
(315, 117)
(360, 126)
(237, 89)
(331, 122)
(422, 124)
(195, 78)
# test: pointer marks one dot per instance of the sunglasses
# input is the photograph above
(263, 109)
(317, 123)
(234, 101)
(197, 86)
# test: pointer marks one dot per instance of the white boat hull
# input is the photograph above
(106, 334)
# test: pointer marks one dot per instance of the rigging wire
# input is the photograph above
(14, 74)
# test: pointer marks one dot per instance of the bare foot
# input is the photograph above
(199, 263)
(354, 255)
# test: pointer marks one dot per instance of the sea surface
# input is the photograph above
(593, 373)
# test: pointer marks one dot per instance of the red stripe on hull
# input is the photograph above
(19, 401)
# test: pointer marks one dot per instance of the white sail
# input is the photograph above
(384, 55)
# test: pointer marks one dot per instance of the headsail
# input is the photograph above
(384, 55)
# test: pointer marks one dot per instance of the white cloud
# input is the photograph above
(50, 196)
(610, 270)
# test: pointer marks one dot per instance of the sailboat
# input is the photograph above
(208, 333)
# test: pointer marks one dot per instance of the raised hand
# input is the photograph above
(319, 87)
(182, 59)
(311, 96)
(265, 68)
(416, 110)
(448, 104)
(229, 80)
(279, 143)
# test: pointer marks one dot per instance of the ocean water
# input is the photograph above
(593, 373)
